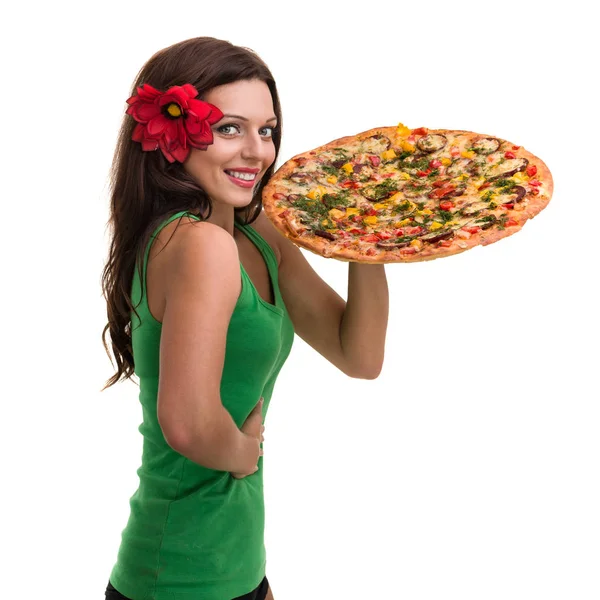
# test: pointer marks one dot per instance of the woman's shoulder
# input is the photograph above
(185, 231)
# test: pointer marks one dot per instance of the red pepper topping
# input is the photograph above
(435, 163)
(423, 173)
(531, 170)
(371, 212)
(350, 184)
(442, 191)
(509, 205)
(278, 196)
(472, 229)
(516, 147)
(484, 185)
(535, 182)
(440, 183)
(446, 205)
(408, 250)
(510, 154)
(386, 175)
(511, 223)
(371, 237)
(445, 243)
(420, 131)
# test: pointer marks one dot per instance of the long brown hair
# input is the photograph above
(146, 188)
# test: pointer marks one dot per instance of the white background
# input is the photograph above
(469, 468)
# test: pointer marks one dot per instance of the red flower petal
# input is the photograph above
(201, 110)
(170, 132)
(180, 153)
(148, 93)
(203, 136)
(190, 90)
(215, 116)
(139, 133)
(149, 144)
(181, 133)
(144, 112)
(158, 125)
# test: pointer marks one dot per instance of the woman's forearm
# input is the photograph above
(364, 323)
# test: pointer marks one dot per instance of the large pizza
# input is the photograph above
(394, 194)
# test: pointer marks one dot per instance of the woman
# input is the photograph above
(214, 303)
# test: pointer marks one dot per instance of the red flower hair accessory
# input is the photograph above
(172, 120)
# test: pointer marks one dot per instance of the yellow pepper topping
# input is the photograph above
(397, 197)
(370, 220)
(407, 146)
(435, 225)
(388, 154)
(348, 167)
(416, 243)
(446, 161)
(425, 211)
(332, 179)
(316, 193)
(379, 205)
(404, 176)
(401, 223)
(403, 130)
(467, 154)
(335, 213)
(352, 211)
(520, 177)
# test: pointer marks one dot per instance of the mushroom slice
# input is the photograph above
(431, 142)
(486, 145)
(375, 144)
(436, 236)
(462, 165)
(325, 234)
(507, 168)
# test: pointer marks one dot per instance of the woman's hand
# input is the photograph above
(254, 428)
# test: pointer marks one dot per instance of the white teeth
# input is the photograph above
(244, 176)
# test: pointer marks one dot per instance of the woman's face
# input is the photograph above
(231, 167)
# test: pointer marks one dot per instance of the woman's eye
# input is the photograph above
(268, 130)
(228, 129)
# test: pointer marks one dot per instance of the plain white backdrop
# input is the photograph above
(469, 468)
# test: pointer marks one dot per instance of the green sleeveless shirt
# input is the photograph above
(194, 533)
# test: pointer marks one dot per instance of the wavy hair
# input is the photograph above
(145, 188)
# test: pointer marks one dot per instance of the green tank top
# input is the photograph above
(193, 532)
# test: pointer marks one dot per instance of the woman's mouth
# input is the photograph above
(241, 178)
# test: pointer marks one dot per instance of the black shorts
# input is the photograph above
(260, 593)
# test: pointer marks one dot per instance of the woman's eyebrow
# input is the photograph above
(245, 119)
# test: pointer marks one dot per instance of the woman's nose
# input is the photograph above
(254, 147)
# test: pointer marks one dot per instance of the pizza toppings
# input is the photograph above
(417, 195)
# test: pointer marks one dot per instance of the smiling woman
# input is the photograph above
(199, 136)
(204, 298)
